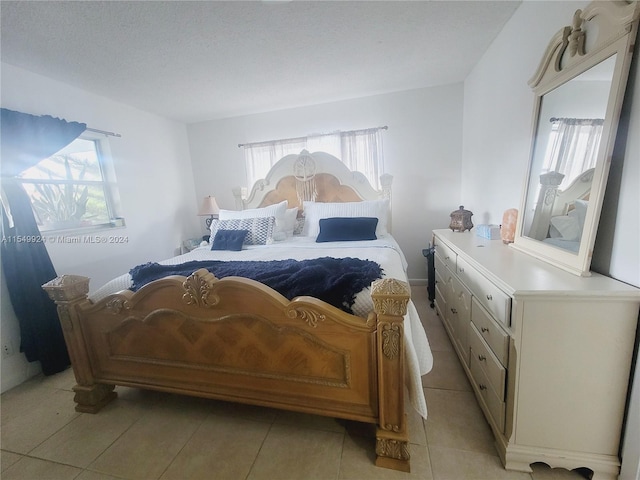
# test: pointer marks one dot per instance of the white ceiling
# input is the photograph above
(200, 60)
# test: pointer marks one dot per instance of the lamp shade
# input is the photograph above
(209, 206)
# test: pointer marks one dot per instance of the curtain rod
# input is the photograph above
(385, 127)
(561, 119)
(103, 132)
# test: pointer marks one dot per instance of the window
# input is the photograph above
(360, 150)
(70, 190)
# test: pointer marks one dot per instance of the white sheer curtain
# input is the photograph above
(360, 150)
(573, 147)
(260, 157)
(329, 143)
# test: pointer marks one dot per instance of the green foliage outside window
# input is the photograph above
(67, 190)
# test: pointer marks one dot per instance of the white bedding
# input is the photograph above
(385, 251)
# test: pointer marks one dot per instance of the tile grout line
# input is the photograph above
(88, 468)
(344, 438)
(259, 450)
(185, 444)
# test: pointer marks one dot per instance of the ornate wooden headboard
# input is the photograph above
(332, 181)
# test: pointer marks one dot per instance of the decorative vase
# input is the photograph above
(461, 220)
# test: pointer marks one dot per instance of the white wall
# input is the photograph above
(155, 180)
(498, 106)
(422, 151)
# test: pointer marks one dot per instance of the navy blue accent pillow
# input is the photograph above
(229, 240)
(340, 229)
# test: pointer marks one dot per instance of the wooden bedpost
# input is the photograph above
(390, 298)
(68, 292)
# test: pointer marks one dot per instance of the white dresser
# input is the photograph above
(548, 353)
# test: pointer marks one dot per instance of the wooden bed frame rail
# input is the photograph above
(236, 339)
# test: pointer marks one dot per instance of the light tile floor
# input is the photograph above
(151, 435)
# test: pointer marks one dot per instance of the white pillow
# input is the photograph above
(276, 210)
(580, 210)
(567, 226)
(289, 221)
(315, 211)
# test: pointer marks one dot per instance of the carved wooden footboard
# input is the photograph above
(236, 339)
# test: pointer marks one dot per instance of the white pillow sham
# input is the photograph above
(315, 211)
(277, 210)
(289, 221)
(567, 228)
(570, 226)
(580, 209)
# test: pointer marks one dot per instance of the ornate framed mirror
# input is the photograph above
(579, 88)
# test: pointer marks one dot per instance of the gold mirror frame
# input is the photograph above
(603, 30)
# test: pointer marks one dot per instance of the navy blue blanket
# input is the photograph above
(336, 281)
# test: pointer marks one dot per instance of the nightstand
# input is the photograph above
(189, 245)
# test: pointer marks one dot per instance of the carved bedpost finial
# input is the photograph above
(66, 291)
(237, 195)
(390, 296)
(67, 288)
(386, 180)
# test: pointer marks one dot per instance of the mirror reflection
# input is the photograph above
(568, 133)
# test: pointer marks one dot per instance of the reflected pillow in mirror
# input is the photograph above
(580, 210)
(567, 227)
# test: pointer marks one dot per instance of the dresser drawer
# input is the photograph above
(493, 369)
(446, 255)
(460, 308)
(441, 266)
(492, 402)
(495, 337)
(490, 296)
(441, 299)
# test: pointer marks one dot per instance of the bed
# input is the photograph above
(237, 339)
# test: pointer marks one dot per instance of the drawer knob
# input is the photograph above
(446, 258)
(484, 329)
(489, 297)
(461, 270)
(454, 311)
(482, 386)
(482, 358)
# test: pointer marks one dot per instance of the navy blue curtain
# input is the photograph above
(27, 139)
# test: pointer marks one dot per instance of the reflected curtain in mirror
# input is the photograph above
(573, 147)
